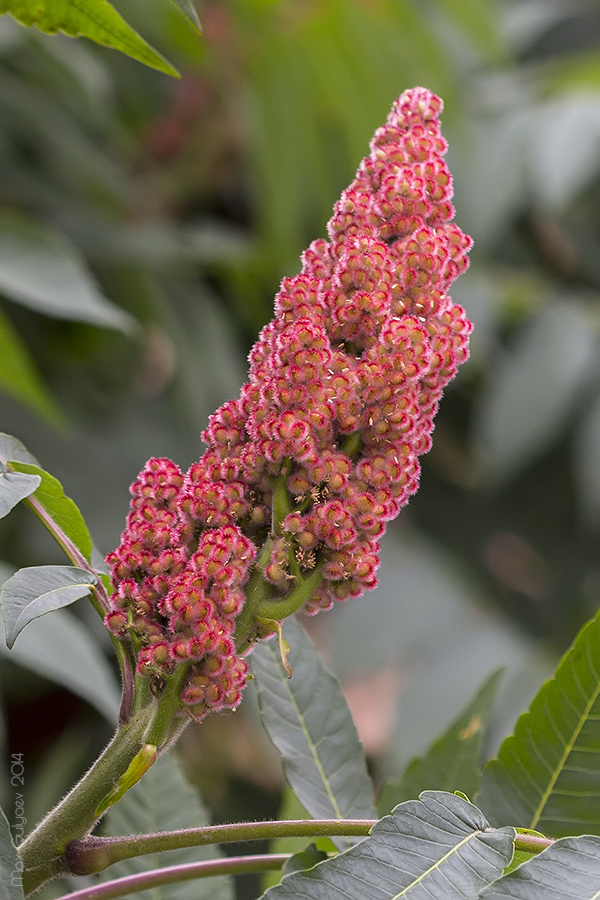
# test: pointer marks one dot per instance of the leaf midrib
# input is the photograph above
(565, 755)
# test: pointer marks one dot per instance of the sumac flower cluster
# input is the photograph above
(343, 388)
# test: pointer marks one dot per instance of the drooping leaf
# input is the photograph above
(452, 762)
(41, 269)
(309, 722)
(438, 846)
(97, 20)
(534, 390)
(61, 509)
(164, 801)
(189, 11)
(546, 775)
(60, 648)
(15, 487)
(37, 590)
(11, 887)
(19, 377)
(570, 868)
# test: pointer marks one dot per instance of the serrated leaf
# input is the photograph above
(570, 868)
(94, 19)
(309, 722)
(60, 648)
(61, 509)
(189, 11)
(37, 590)
(40, 268)
(452, 762)
(547, 774)
(15, 487)
(438, 846)
(11, 887)
(164, 801)
(19, 377)
(535, 389)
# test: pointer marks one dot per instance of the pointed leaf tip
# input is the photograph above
(97, 20)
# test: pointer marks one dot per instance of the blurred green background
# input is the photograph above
(145, 224)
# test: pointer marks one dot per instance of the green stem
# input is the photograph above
(42, 851)
(94, 854)
(280, 609)
(132, 884)
(532, 843)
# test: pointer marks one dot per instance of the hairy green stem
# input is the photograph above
(94, 854)
(532, 843)
(131, 884)
(42, 851)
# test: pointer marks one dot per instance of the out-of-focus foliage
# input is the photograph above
(167, 211)
(94, 19)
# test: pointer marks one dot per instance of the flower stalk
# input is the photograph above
(285, 510)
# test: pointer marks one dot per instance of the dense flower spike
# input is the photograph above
(321, 449)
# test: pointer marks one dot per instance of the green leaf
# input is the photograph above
(570, 868)
(40, 268)
(37, 590)
(10, 864)
(15, 487)
(438, 846)
(189, 11)
(19, 377)
(60, 648)
(164, 801)
(309, 722)
(61, 509)
(452, 761)
(305, 859)
(93, 19)
(547, 775)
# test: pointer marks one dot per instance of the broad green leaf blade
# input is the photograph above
(61, 649)
(547, 775)
(570, 868)
(43, 270)
(189, 11)
(164, 801)
(452, 762)
(15, 487)
(93, 19)
(437, 847)
(19, 377)
(10, 864)
(61, 509)
(309, 722)
(37, 590)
